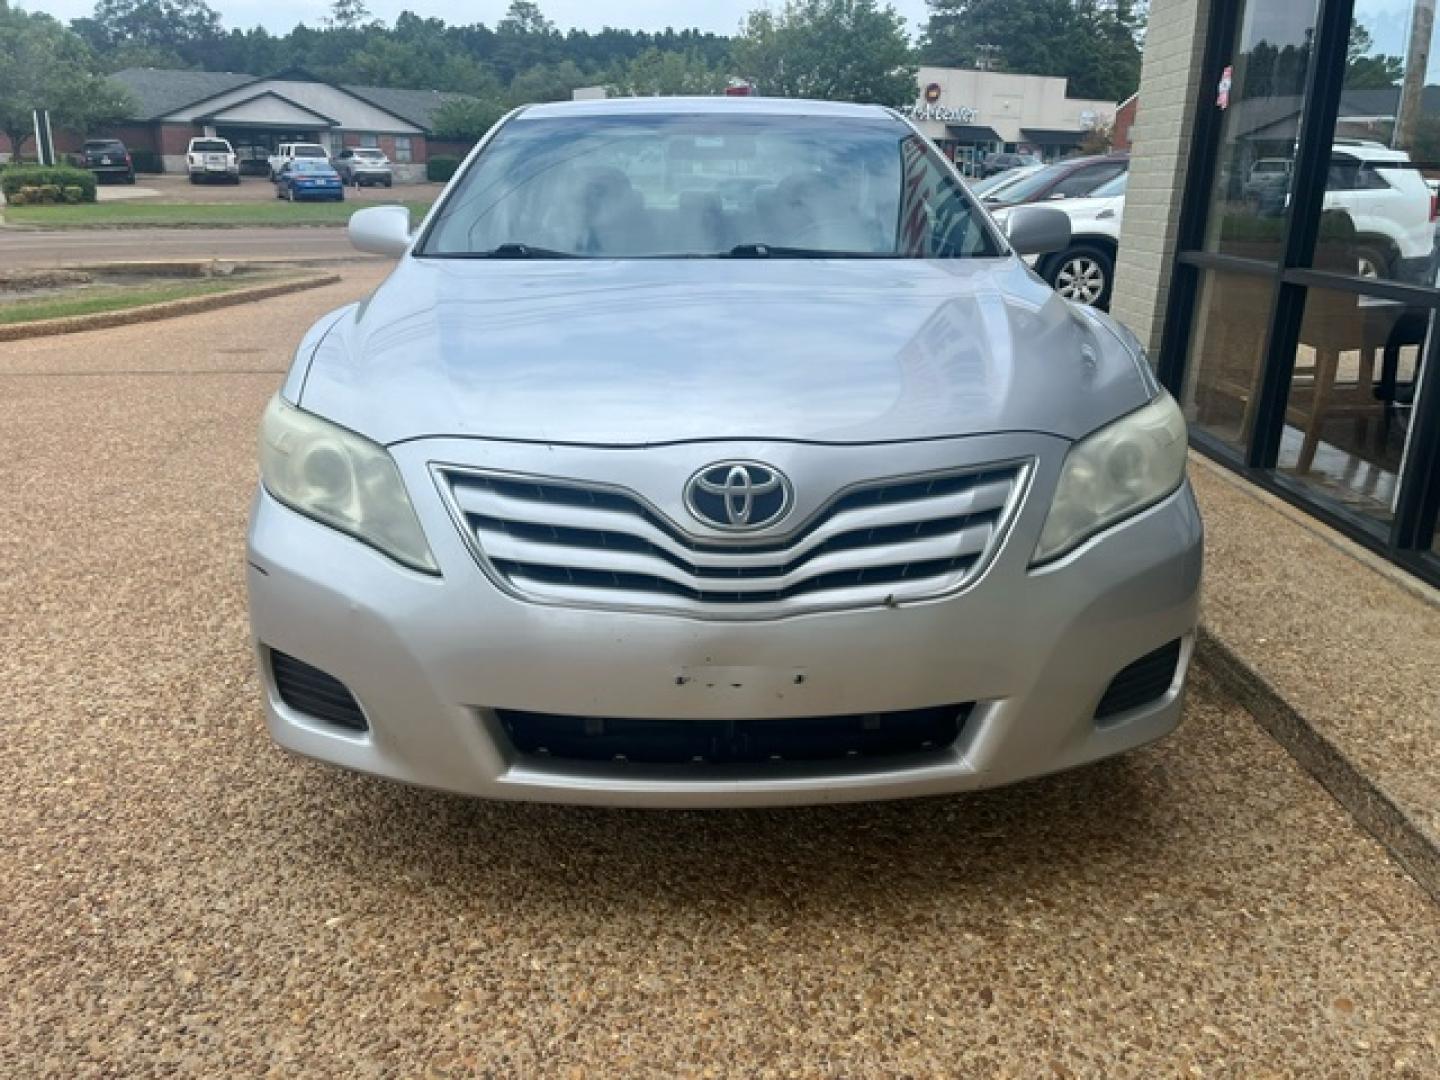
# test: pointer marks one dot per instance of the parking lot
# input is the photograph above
(178, 896)
(173, 188)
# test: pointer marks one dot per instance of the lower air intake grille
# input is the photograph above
(1142, 682)
(310, 691)
(715, 742)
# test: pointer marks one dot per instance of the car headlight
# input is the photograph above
(341, 479)
(1114, 473)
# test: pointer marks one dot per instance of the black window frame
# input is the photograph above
(1410, 538)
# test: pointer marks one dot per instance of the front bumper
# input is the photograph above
(430, 659)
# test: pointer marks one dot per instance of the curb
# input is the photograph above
(166, 310)
(1375, 811)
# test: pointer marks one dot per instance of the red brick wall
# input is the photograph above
(1124, 121)
(134, 136)
(175, 138)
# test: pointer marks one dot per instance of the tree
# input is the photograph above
(163, 24)
(1366, 72)
(45, 66)
(348, 14)
(547, 82)
(842, 50)
(666, 74)
(466, 119)
(1095, 44)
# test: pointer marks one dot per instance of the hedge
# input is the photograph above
(15, 177)
(441, 168)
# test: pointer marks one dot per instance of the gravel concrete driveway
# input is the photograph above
(177, 897)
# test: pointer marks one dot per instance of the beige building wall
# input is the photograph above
(1170, 98)
(1008, 103)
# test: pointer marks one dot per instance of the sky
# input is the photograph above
(721, 16)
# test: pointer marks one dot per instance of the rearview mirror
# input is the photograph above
(1032, 230)
(384, 230)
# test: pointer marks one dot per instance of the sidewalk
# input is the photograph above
(1335, 652)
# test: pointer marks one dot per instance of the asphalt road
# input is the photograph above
(21, 248)
(177, 897)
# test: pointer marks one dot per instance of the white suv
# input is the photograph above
(1391, 205)
(288, 152)
(1085, 270)
(209, 158)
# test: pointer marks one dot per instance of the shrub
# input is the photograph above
(19, 198)
(441, 168)
(72, 193)
(15, 177)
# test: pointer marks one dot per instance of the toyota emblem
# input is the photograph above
(738, 495)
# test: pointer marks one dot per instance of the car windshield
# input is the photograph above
(102, 144)
(310, 167)
(1115, 186)
(210, 146)
(309, 151)
(708, 184)
(1001, 180)
(1035, 183)
(369, 155)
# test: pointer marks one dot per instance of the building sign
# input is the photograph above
(961, 114)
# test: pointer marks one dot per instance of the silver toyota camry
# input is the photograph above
(718, 452)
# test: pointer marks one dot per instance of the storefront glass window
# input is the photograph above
(1262, 95)
(1385, 163)
(1349, 417)
(1232, 316)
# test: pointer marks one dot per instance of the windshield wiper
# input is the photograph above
(777, 251)
(514, 251)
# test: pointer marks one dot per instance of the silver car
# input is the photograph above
(718, 452)
(364, 165)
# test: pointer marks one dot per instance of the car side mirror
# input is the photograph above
(1033, 230)
(385, 230)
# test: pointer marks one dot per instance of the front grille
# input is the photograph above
(310, 691)
(562, 541)
(719, 742)
(1146, 680)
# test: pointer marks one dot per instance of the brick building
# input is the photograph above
(258, 113)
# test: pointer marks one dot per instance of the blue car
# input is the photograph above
(306, 178)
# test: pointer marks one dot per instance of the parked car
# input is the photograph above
(1269, 178)
(999, 163)
(1084, 271)
(811, 492)
(108, 158)
(1391, 205)
(305, 179)
(992, 189)
(212, 159)
(254, 159)
(288, 152)
(1073, 178)
(362, 165)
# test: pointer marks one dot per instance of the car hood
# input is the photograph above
(635, 352)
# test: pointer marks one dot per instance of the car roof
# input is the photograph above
(673, 106)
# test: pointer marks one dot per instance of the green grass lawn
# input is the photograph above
(144, 212)
(116, 298)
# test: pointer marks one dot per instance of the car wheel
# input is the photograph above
(1371, 262)
(1083, 275)
(389, 181)
(194, 179)
(130, 178)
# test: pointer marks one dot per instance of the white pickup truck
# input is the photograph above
(210, 158)
(288, 152)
